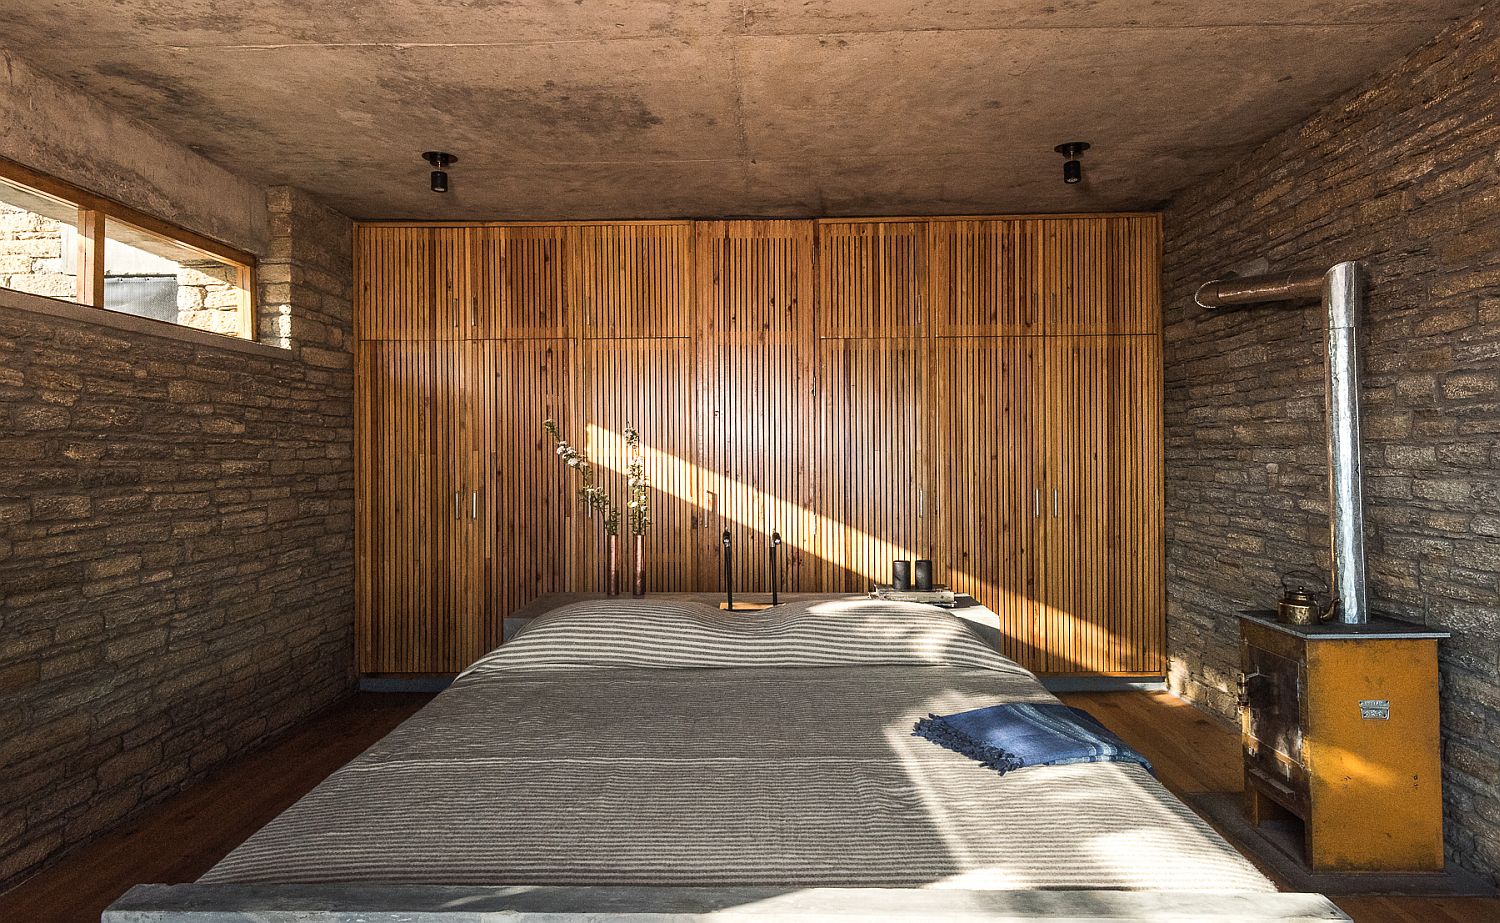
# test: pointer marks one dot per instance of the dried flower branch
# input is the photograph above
(638, 486)
(590, 493)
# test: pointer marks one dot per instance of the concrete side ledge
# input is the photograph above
(376, 903)
(129, 323)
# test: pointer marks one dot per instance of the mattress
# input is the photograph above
(657, 743)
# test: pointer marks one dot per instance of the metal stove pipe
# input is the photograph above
(1342, 292)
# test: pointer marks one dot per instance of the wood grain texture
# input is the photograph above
(981, 391)
(396, 505)
(518, 282)
(757, 413)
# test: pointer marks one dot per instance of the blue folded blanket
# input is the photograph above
(1006, 737)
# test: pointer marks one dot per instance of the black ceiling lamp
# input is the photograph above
(440, 161)
(1072, 167)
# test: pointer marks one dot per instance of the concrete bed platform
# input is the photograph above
(360, 903)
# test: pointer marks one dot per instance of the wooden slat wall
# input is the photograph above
(870, 388)
(986, 496)
(395, 506)
(758, 419)
(519, 282)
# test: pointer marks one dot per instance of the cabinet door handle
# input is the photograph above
(1054, 503)
(1036, 503)
(474, 311)
(474, 505)
(457, 499)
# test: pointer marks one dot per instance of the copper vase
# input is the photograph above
(640, 566)
(612, 579)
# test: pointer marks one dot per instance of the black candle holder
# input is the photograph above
(901, 574)
(923, 577)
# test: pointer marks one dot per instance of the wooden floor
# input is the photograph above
(182, 838)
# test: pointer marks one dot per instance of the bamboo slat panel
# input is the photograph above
(396, 505)
(518, 285)
(872, 278)
(759, 419)
(635, 280)
(411, 283)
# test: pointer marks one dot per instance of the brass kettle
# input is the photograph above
(1300, 606)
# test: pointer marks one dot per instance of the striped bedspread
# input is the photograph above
(628, 742)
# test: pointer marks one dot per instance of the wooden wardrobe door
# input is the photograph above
(1135, 505)
(988, 439)
(398, 502)
(872, 459)
(1102, 563)
(518, 280)
(413, 283)
(526, 499)
(1072, 607)
(454, 445)
(757, 412)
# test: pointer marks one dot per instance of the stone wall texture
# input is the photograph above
(176, 564)
(1404, 175)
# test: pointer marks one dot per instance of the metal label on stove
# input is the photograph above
(1375, 709)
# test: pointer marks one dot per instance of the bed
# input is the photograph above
(666, 760)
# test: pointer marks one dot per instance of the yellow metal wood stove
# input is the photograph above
(1340, 726)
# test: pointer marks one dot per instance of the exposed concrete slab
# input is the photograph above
(359, 903)
(50, 126)
(654, 108)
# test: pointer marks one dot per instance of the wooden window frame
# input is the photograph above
(95, 210)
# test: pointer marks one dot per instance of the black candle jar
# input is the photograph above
(924, 574)
(900, 575)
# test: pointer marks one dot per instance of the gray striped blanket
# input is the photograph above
(625, 742)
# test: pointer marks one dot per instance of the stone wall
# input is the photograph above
(31, 254)
(1401, 174)
(176, 566)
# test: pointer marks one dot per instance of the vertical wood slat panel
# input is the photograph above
(872, 278)
(648, 382)
(518, 282)
(395, 505)
(985, 393)
(904, 309)
(869, 459)
(755, 300)
(636, 280)
(638, 364)
(411, 283)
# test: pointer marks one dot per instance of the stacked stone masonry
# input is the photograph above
(176, 565)
(1401, 174)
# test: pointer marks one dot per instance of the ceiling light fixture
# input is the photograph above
(1072, 167)
(440, 161)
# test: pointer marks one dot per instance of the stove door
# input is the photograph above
(1273, 716)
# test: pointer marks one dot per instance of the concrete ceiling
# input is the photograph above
(660, 108)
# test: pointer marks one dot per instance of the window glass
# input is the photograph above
(151, 276)
(38, 243)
